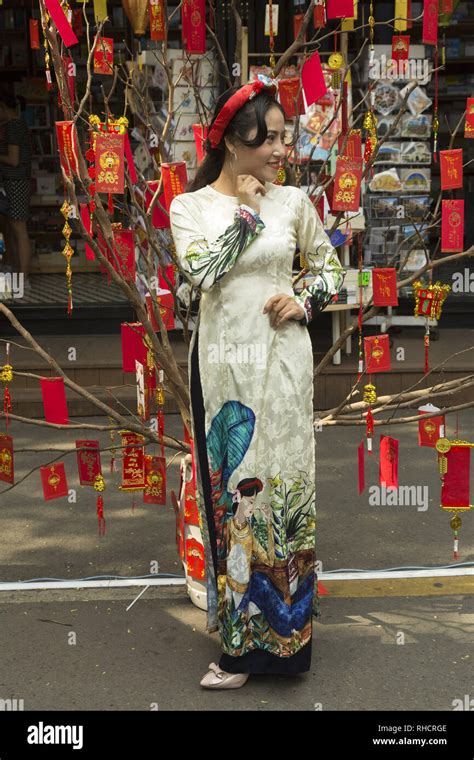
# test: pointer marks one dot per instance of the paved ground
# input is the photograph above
(369, 652)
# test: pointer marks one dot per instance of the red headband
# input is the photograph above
(236, 101)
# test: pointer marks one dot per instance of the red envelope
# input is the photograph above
(6, 458)
(430, 22)
(384, 285)
(340, 8)
(155, 480)
(377, 353)
(54, 400)
(452, 226)
(54, 481)
(312, 78)
(388, 473)
(451, 169)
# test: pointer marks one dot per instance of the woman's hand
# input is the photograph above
(281, 308)
(247, 189)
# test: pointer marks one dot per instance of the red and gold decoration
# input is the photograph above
(347, 184)
(429, 301)
(454, 458)
(290, 96)
(54, 400)
(384, 285)
(53, 479)
(157, 20)
(6, 378)
(370, 127)
(430, 428)
(104, 56)
(377, 359)
(109, 160)
(111, 126)
(99, 486)
(400, 48)
(195, 559)
(67, 146)
(452, 226)
(155, 480)
(133, 462)
(469, 124)
(388, 462)
(88, 462)
(194, 25)
(377, 353)
(451, 169)
(133, 346)
(319, 14)
(67, 252)
(6, 458)
(174, 178)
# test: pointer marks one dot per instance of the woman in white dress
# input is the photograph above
(251, 385)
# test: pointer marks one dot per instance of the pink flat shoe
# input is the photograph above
(216, 678)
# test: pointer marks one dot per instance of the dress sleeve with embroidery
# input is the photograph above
(322, 259)
(205, 262)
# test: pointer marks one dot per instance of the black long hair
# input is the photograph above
(251, 115)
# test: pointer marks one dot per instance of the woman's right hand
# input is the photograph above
(247, 188)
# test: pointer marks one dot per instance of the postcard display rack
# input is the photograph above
(397, 198)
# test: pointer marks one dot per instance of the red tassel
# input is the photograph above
(7, 405)
(369, 429)
(69, 304)
(100, 515)
(427, 346)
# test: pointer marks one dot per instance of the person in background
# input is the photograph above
(15, 172)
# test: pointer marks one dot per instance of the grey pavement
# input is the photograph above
(369, 653)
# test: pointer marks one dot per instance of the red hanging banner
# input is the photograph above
(67, 146)
(124, 250)
(297, 21)
(34, 34)
(452, 226)
(384, 284)
(175, 178)
(195, 20)
(54, 400)
(53, 479)
(451, 169)
(157, 20)
(6, 458)
(469, 125)
(109, 158)
(388, 472)
(340, 9)
(88, 462)
(133, 462)
(377, 353)
(62, 24)
(347, 184)
(430, 22)
(155, 480)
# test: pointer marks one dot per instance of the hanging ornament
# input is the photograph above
(429, 301)
(454, 468)
(370, 126)
(67, 252)
(335, 63)
(137, 14)
(435, 108)
(370, 397)
(6, 458)
(6, 377)
(99, 486)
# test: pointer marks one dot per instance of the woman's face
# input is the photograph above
(263, 162)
